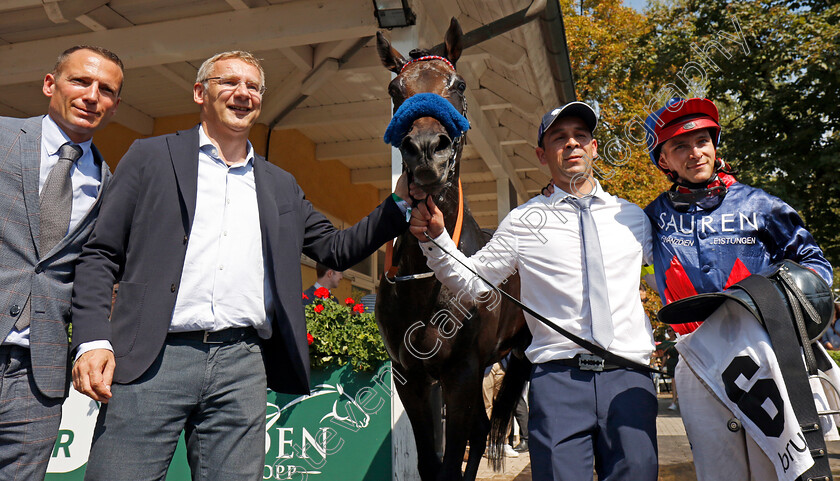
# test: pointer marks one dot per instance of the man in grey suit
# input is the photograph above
(51, 180)
(204, 237)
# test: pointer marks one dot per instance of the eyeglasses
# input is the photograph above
(231, 83)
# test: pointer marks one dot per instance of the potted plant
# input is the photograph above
(342, 333)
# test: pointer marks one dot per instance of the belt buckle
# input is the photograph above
(590, 362)
(206, 339)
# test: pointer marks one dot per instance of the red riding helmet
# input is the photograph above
(677, 117)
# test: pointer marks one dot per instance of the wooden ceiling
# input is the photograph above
(322, 72)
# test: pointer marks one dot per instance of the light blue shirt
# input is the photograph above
(85, 176)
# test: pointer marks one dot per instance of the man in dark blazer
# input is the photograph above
(325, 277)
(205, 239)
(51, 181)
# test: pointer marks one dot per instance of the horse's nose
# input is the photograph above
(426, 148)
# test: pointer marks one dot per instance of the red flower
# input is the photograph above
(349, 301)
(319, 308)
(304, 296)
(309, 338)
(360, 308)
(322, 293)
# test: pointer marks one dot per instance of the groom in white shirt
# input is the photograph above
(578, 253)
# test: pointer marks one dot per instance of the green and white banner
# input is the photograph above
(341, 431)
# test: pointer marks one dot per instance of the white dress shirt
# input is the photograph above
(85, 176)
(223, 282)
(541, 240)
(223, 279)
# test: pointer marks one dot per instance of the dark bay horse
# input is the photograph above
(431, 333)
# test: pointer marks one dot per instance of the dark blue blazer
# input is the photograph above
(140, 240)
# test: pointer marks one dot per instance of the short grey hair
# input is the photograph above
(247, 57)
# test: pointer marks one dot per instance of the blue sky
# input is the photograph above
(637, 4)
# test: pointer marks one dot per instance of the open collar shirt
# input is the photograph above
(541, 240)
(223, 282)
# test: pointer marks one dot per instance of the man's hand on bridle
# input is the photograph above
(426, 217)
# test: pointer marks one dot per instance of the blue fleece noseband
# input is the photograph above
(425, 105)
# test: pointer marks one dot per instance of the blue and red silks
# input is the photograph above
(701, 251)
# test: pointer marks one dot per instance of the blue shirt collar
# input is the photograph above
(52, 137)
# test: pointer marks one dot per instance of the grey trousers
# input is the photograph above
(28, 421)
(215, 393)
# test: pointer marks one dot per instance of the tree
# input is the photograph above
(769, 65)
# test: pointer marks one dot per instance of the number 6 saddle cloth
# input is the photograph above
(733, 356)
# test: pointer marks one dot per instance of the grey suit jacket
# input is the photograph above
(47, 276)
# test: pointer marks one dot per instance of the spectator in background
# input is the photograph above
(326, 278)
(831, 338)
(672, 357)
(493, 376)
(521, 416)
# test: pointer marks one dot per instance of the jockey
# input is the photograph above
(711, 231)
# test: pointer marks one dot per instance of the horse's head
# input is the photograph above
(428, 150)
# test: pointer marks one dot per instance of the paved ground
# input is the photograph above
(674, 453)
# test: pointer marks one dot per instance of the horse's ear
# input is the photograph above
(391, 59)
(452, 41)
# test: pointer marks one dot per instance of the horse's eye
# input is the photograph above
(461, 86)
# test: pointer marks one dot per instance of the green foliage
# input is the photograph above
(835, 288)
(341, 336)
(834, 355)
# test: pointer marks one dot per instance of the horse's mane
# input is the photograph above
(419, 52)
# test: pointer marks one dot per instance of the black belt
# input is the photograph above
(225, 336)
(587, 362)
